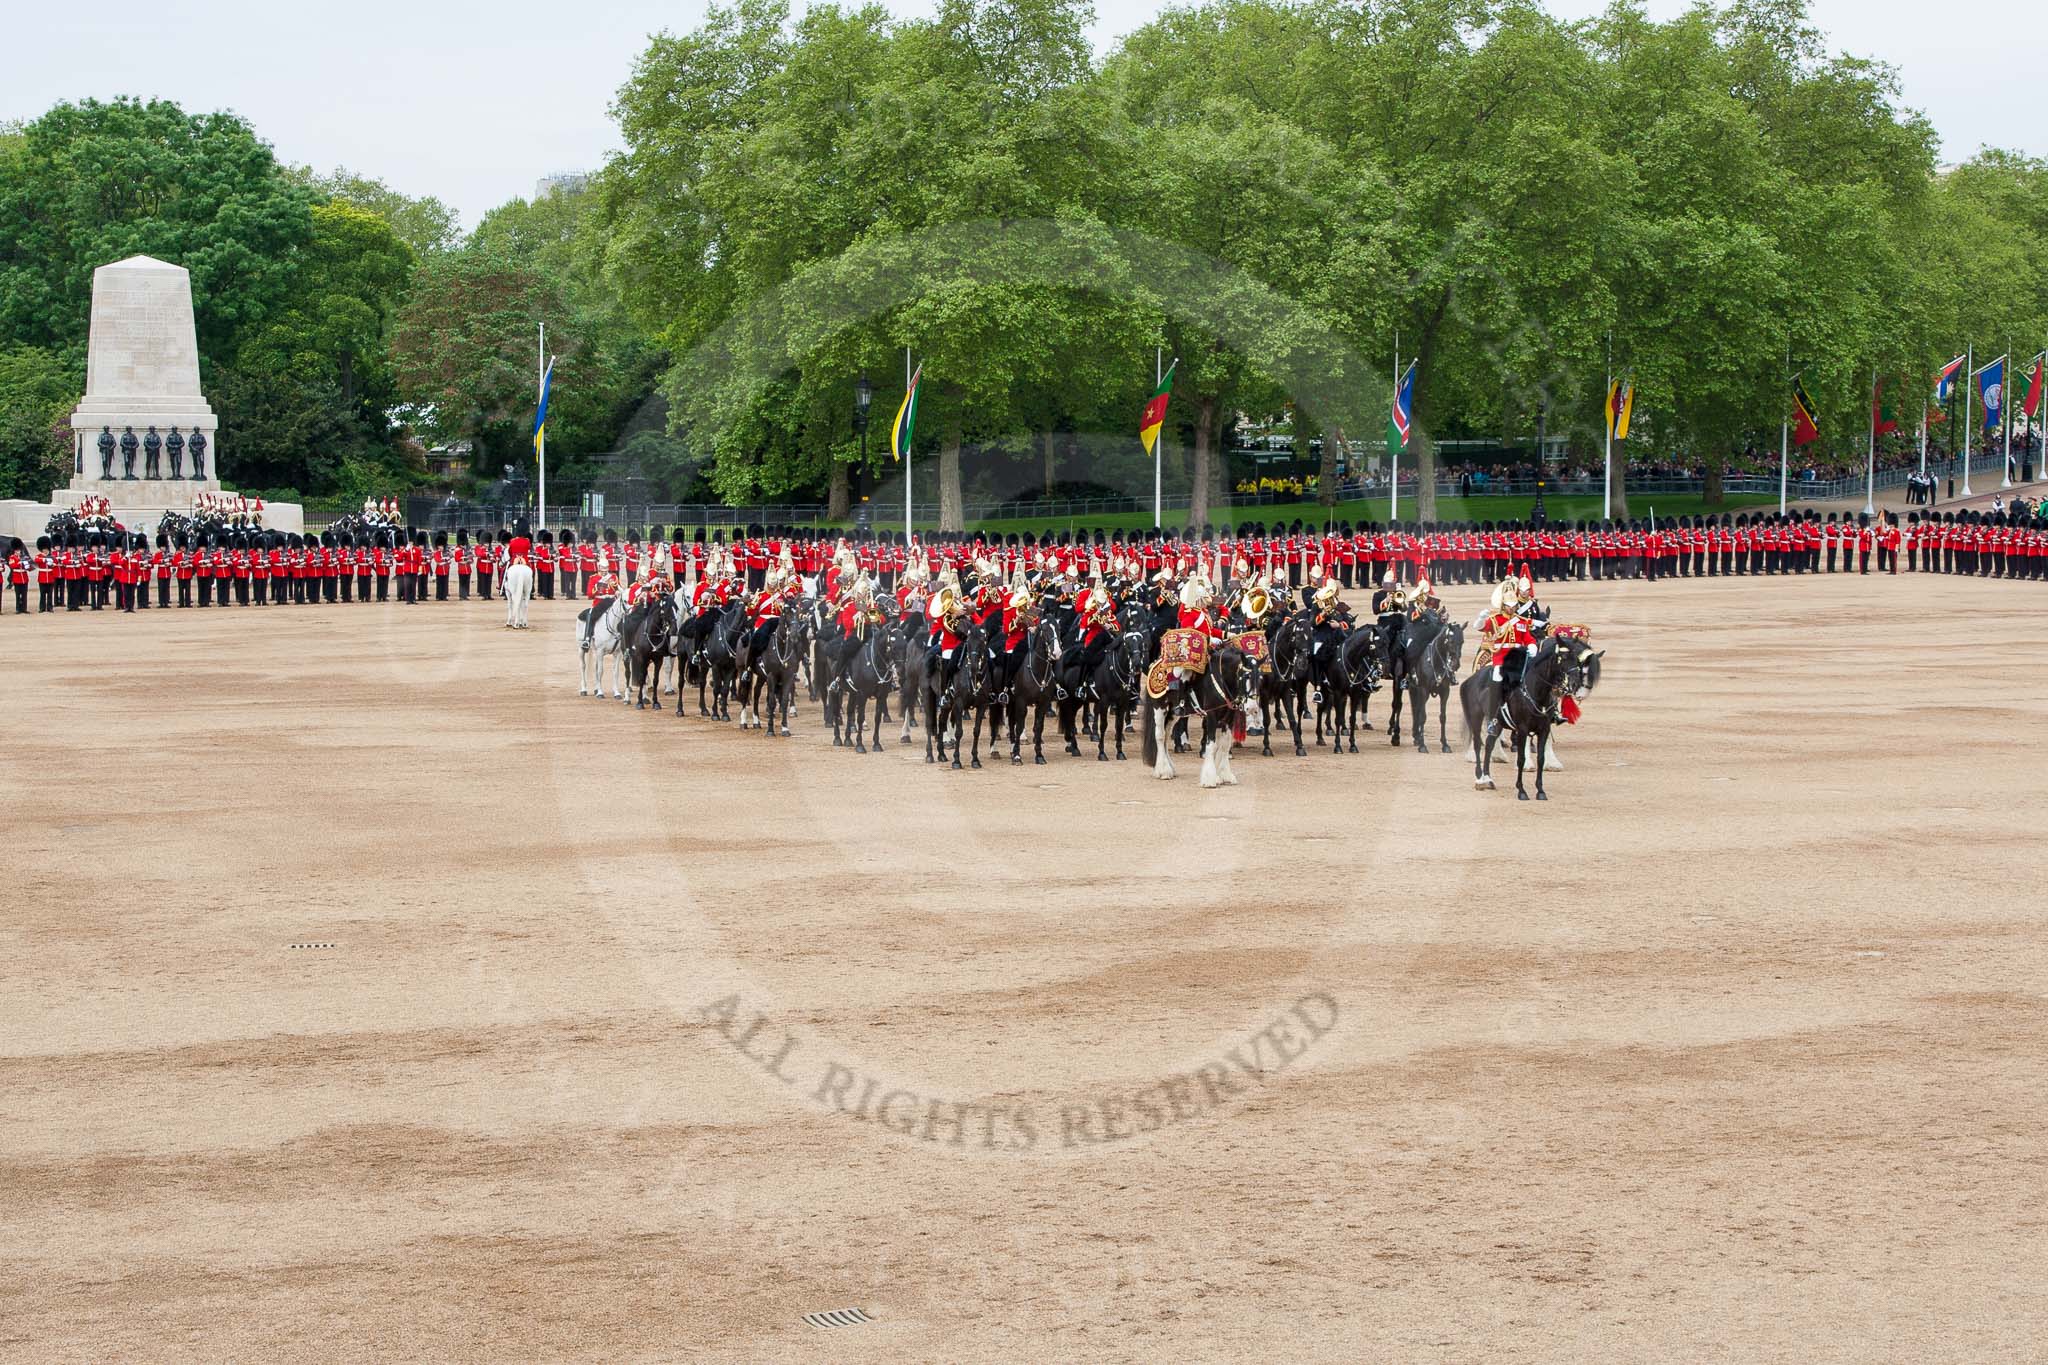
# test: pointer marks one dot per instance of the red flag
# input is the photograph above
(1804, 429)
(1883, 421)
(2031, 404)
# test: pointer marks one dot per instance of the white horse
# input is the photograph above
(518, 592)
(601, 642)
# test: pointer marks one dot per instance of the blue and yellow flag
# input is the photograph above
(540, 416)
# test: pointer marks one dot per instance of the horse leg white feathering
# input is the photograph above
(1550, 763)
(1225, 741)
(1209, 777)
(1163, 769)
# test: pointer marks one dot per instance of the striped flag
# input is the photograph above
(1945, 380)
(905, 425)
(540, 416)
(1404, 406)
(1621, 405)
(1804, 429)
(1883, 420)
(1154, 416)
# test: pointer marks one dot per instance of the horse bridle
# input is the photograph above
(1126, 683)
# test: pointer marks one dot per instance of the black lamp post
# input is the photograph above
(863, 399)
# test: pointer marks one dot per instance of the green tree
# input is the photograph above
(425, 225)
(91, 183)
(334, 327)
(38, 389)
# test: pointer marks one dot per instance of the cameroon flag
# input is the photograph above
(901, 430)
(1155, 410)
(1804, 429)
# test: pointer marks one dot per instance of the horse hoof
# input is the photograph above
(1541, 797)
(1102, 758)
(785, 732)
(1039, 760)
(1521, 796)
(1119, 758)
(1300, 752)
(956, 765)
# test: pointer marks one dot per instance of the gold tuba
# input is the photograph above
(1257, 603)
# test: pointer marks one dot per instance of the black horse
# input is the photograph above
(1116, 683)
(722, 642)
(1351, 674)
(1032, 691)
(947, 701)
(644, 637)
(1555, 669)
(868, 676)
(767, 681)
(1283, 686)
(912, 663)
(1434, 673)
(1406, 642)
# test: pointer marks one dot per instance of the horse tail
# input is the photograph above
(1149, 736)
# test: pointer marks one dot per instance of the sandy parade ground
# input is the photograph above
(370, 995)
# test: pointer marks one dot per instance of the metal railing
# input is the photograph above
(437, 515)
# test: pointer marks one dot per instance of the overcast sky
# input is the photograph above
(475, 104)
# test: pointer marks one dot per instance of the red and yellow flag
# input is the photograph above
(1155, 410)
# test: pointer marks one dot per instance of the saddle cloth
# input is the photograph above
(1188, 649)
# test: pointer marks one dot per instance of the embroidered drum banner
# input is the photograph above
(1187, 649)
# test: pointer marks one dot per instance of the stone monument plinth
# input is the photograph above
(144, 437)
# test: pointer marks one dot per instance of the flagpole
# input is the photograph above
(541, 448)
(2005, 413)
(1394, 455)
(1607, 469)
(909, 513)
(1969, 378)
(1870, 469)
(2034, 420)
(1785, 441)
(1158, 378)
(1923, 434)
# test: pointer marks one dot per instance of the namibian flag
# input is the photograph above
(1621, 405)
(540, 416)
(1945, 381)
(1404, 408)
(1804, 429)
(901, 431)
(1155, 410)
(1883, 420)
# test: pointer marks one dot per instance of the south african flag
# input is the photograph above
(906, 419)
